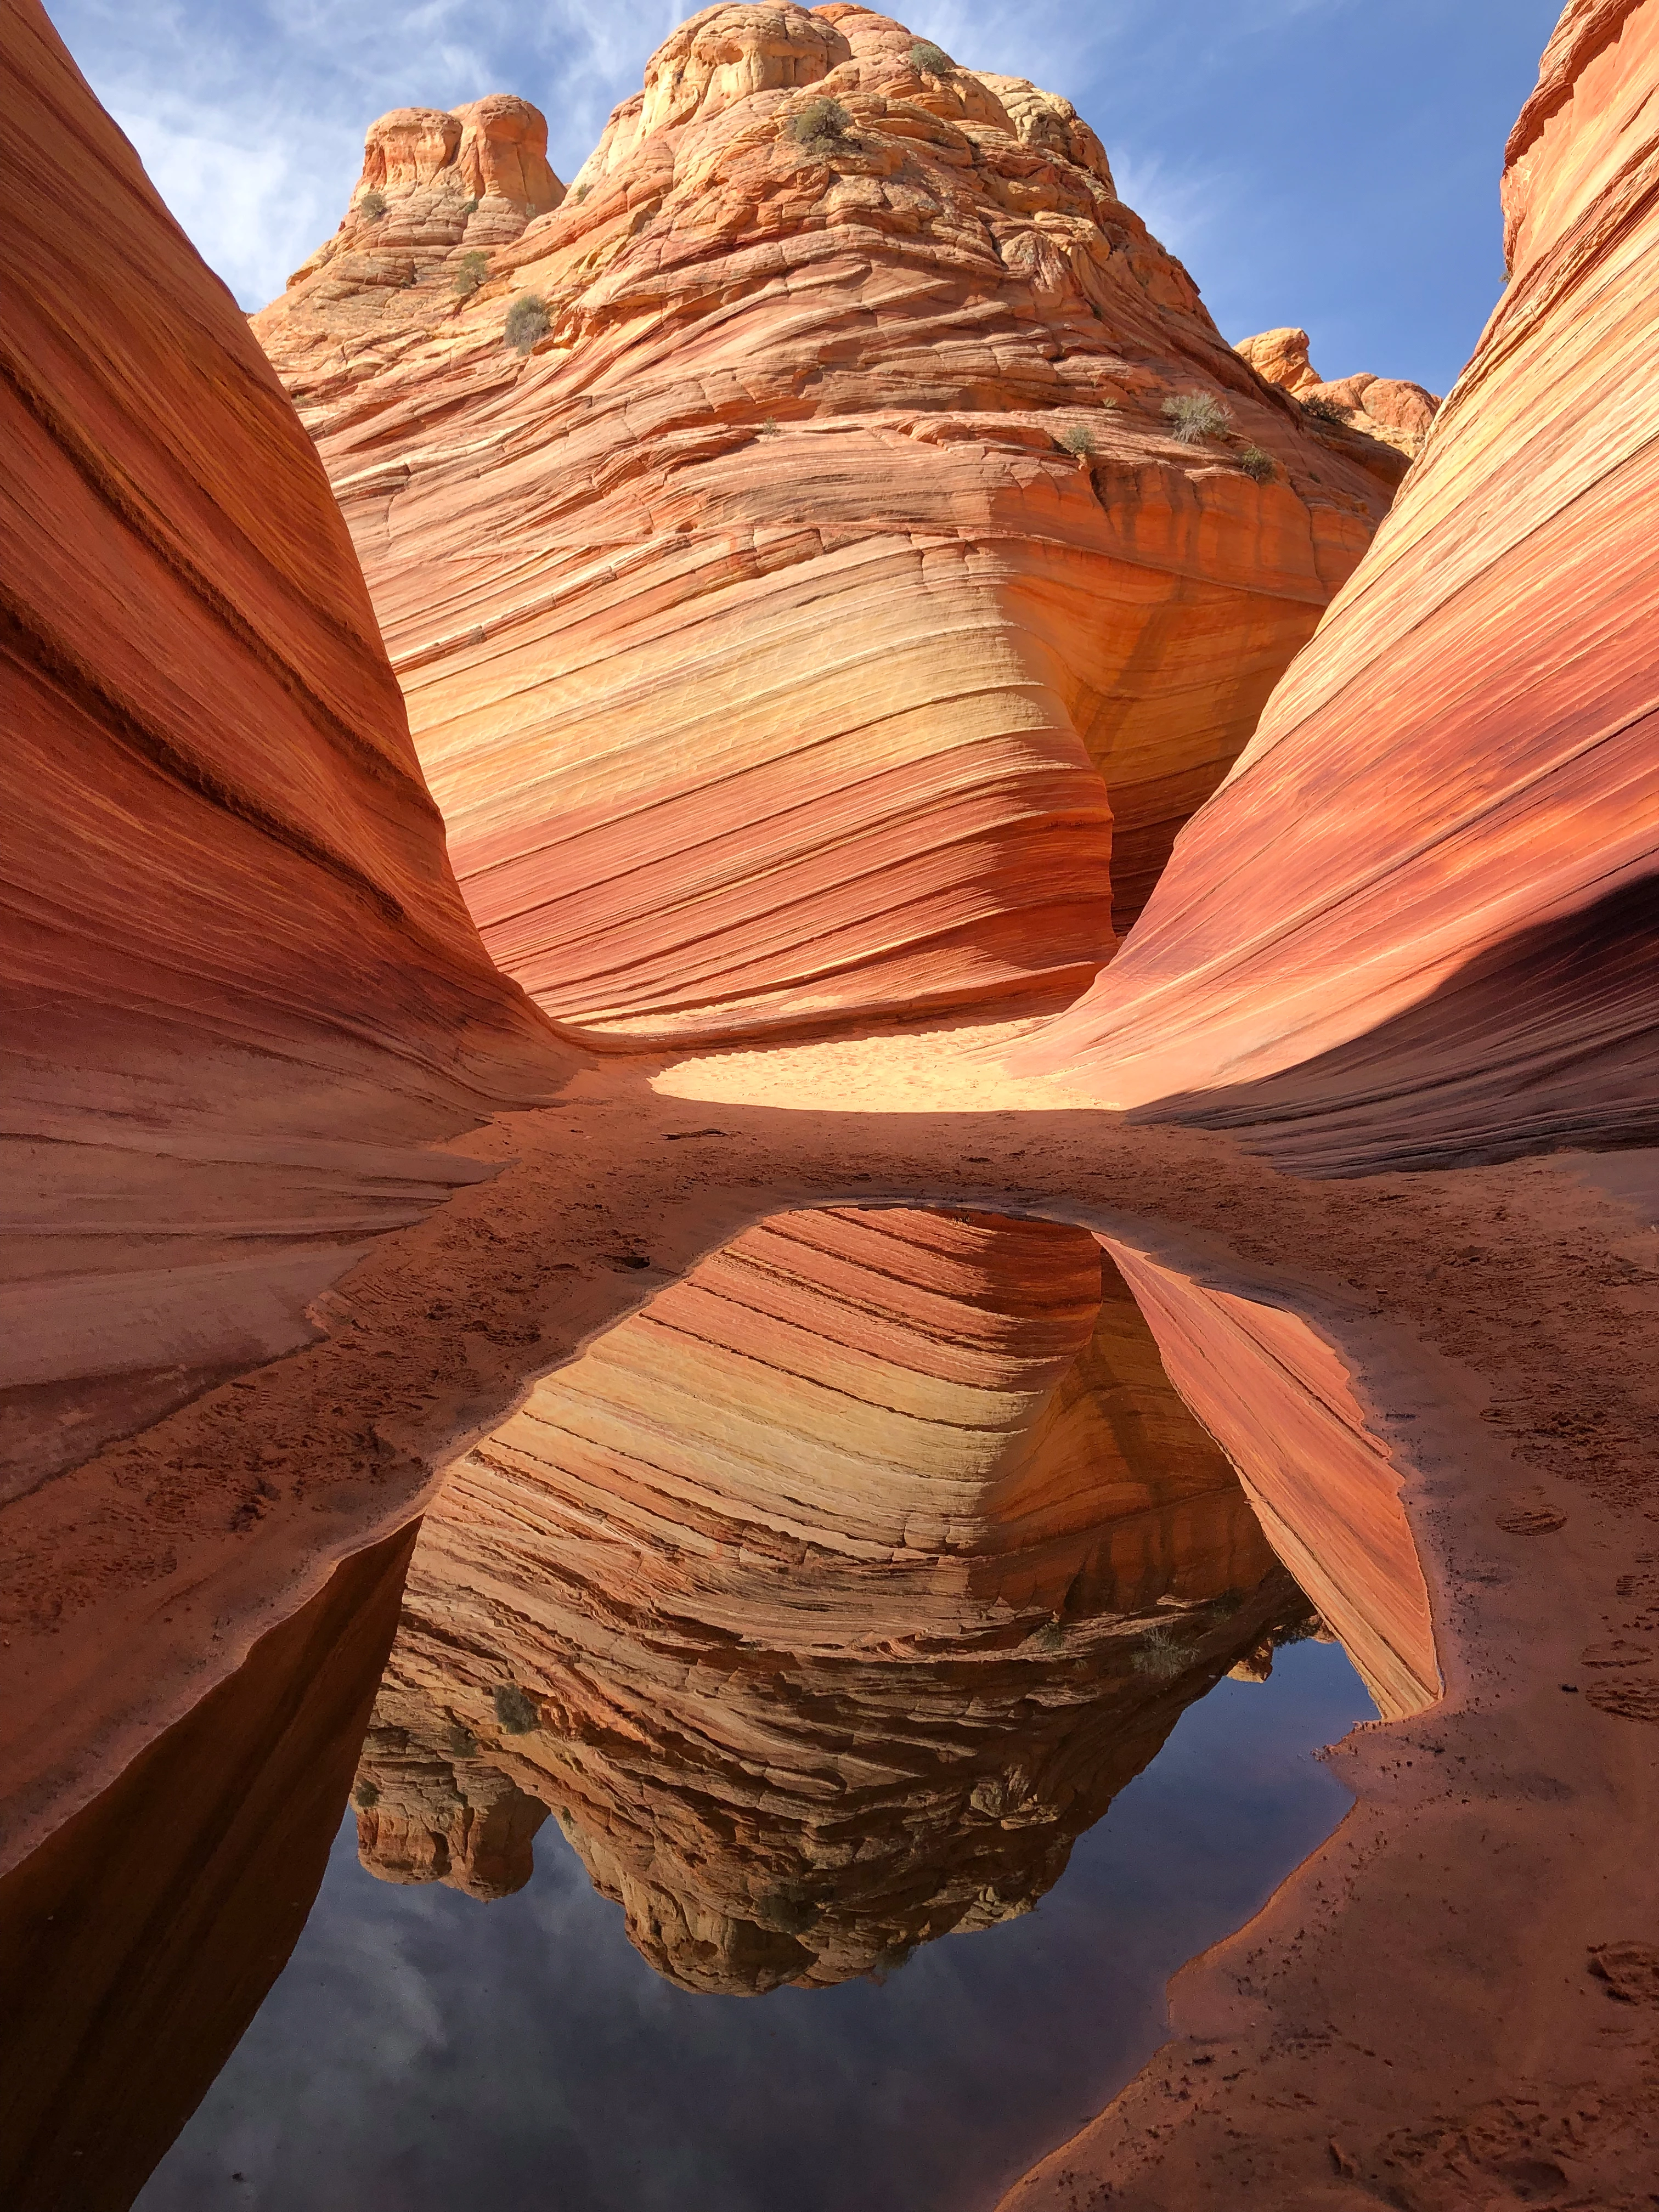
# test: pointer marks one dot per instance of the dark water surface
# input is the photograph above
(423, 2052)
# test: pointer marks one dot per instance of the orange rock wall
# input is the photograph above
(240, 990)
(821, 618)
(1419, 921)
(825, 1600)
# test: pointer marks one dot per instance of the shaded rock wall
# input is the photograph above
(1417, 922)
(820, 618)
(826, 1601)
(241, 991)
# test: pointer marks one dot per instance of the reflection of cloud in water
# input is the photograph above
(825, 1601)
(567, 2071)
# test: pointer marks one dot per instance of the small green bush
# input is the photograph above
(1254, 463)
(515, 1710)
(1051, 1636)
(925, 55)
(527, 321)
(769, 428)
(1323, 409)
(372, 206)
(1077, 438)
(366, 1796)
(580, 193)
(470, 272)
(469, 207)
(460, 1741)
(1196, 415)
(821, 127)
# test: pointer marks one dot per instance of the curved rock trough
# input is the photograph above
(555, 1181)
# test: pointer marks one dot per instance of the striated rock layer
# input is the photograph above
(1390, 407)
(826, 1601)
(820, 616)
(241, 994)
(1418, 922)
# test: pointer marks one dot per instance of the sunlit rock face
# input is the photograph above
(241, 994)
(822, 615)
(827, 1599)
(436, 186)
(1390, 407)
(1418, 924)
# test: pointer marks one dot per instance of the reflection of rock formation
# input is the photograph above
(1420, 921)
(826, 1601)
(821, 618)
(1279, 1400)
(240, 992)
(1386, 407)
(137, 1944)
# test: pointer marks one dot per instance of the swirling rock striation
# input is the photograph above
(1419, 922)
(826, 1601)
(819, 616)
(241, 992)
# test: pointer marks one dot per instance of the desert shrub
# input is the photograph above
(1158, 1656)
(526, 320)
(470, 272)
(1077, 438)
(515, 1710)
(769, 428)
(460, 1741)
(580, 193)
(372, 206)
(1254, 463)
(1051, 1636)
(1323, 409)
(366, 1796)
(821, 127)
(1196, 415)
(469, 207)
(925, 55)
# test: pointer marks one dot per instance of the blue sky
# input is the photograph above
(1328, 162)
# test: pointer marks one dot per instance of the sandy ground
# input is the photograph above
(1456, 2001)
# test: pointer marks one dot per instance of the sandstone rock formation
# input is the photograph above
(1386, 407)
(241, 992)
(826, 1601)
(1418, 923)
(814, 612)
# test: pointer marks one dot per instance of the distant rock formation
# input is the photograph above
(1385, 407)
(826, 1601)
(807, 604)
(1419, 923)
(241, 994)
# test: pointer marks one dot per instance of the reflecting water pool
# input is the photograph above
(423, 2052)
(785, 1765)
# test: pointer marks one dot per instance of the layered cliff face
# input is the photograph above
(825, 1601)
(1390, 407)
(807, 604)
(1418, 923)
(241, 992)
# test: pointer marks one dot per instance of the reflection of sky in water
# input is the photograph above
(425, 2053)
